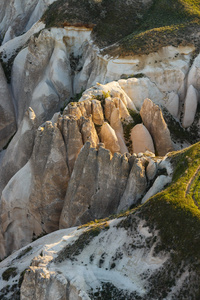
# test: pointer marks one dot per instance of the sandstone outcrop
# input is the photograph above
(154, 122)
(141, 139)
(7, 112)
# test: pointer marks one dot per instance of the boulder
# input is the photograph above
(109, 138)
(190, 106)
(154, 122)
(141, 139)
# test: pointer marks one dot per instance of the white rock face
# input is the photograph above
(190, 106)
(141, 139)
(140, 89)
(32, 205)
(194, 74)
(20, 148)
(17, 17)
(158, 186)
(172, 104)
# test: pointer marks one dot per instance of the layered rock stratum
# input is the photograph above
(99, 119)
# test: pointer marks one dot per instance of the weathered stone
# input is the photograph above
(172, 104)
(157, 186)
(20, 148)
(73, 110)
(32, 201)
(109, 106)
(136, 186)
(141, 139)
(190, 106)
(88, 131)
(115, 122)
(140, 88)
(151, 169)
(109, 138)
(154, 122)
(96, 185)
(73, 139)
(97, 112)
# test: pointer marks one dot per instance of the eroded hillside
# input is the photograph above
(99, 105)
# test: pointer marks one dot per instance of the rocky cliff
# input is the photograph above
(94, 124)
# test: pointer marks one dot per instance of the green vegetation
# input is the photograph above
(24, 252)
(9, 273)
(71, 251)
(175, 210)
(136, 119)
(139, 28)
(178, 133)
(21, 278)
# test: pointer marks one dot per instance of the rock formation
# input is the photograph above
(154, 122)
(20, 148)
(190, 106)
(7, 112)
(141, 139)
(32, 205)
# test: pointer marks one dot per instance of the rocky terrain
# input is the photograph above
(99, 150)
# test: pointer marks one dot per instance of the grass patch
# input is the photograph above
(71, 251)
(174, 211)
(138, 27)
(136, 119)
(180, 134)
(9, 273)
(24, 252)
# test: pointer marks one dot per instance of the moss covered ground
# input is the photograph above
(138, 27)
